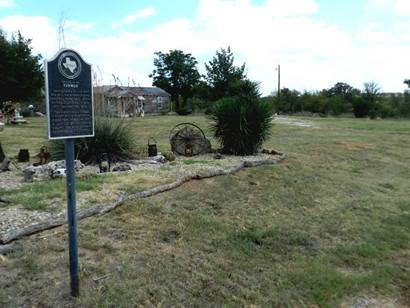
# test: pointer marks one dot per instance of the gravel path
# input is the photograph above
(15, 217)
(290, 121)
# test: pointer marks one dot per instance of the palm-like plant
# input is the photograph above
(241, 124)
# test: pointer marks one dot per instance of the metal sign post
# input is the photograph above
(72, 217)
(70, 114)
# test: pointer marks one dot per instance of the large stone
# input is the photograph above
(59, 164)
(59, 173)
(159, 158)
(48, 171)
(121, 168)
(5, 165)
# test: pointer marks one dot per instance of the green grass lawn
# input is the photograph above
(327, 227)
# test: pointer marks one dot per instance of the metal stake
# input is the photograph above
(72, 217)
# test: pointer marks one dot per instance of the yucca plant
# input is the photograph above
(241, 124)
(112, 136)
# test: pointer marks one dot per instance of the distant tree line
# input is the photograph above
(177, 73)
(344, 99)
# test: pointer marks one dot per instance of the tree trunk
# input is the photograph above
(2, 155)
(4, 161)
(6, 249)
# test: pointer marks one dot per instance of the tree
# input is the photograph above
(366, 104)
(343, 90)
(226, 79)
(313, 102)
(289, 101)
(21, 72)
(176, 73)
(407, 82)
(371, 93)
(340, 98)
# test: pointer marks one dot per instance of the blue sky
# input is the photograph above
(317, 42)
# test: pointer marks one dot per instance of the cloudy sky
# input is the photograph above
(316, 42)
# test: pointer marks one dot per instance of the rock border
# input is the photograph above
(105, 208)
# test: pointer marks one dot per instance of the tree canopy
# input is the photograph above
(21, 72)
(176, 72)
(226, 79)
(343, 90)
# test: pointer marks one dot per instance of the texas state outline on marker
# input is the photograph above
(71, 65)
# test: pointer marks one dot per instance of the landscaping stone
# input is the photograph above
(218, 156)
(58, 173)
(45, 172)
(122, 168)
(159, 158)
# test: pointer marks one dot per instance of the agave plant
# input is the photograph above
(241, 124)
(112, 136)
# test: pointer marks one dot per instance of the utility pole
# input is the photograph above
(278, 69)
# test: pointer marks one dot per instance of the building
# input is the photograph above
(130, 101)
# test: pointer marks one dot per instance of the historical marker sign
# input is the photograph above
(70, 115)
(69, 96)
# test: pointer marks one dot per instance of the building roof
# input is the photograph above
(121, 91)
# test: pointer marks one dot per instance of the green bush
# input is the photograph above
(25, 112)
(241, 124)
(112, 136)
(183, 111)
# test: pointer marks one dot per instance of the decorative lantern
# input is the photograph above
(152, 147)
(104, 163)
(23, 155)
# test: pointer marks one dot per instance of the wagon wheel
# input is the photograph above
(187, 139)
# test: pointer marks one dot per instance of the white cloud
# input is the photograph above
(38, 28)
(6, 3)
(269, 34)
(313, 54)
(402, 7)
(140, 14)
(398, 7)
(377, 4)
(77, 26)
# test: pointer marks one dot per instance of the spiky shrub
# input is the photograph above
(241, 124)
(112, 136)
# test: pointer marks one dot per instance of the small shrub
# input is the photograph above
(26, 112)
(200, 105)
(183, 111)
(241, 124)
(112, 136)
(169, 156)
(183, 107)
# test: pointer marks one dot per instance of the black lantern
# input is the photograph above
(104, 163)
(23, 155)
(152, 147)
